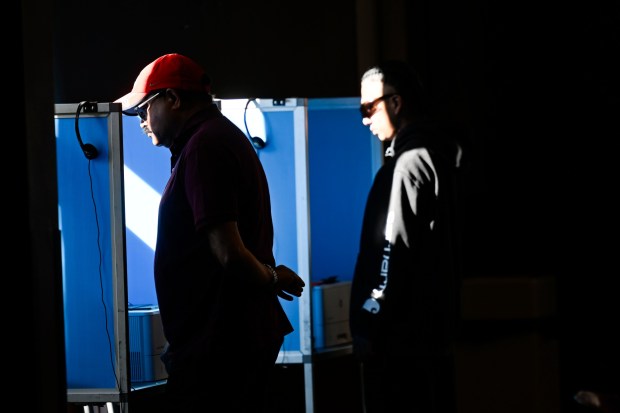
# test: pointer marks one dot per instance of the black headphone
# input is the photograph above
(89, 150)
(259, 143)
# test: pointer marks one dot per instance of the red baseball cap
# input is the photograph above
(168, 71)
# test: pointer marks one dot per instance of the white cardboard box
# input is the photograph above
(330, 314)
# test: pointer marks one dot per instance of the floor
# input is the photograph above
(515, 372)
(336, 389)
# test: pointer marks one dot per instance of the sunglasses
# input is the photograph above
(369, 108)
(142, 107)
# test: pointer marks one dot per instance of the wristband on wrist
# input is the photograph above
(274, 274)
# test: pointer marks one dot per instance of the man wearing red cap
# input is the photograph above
(215, 274)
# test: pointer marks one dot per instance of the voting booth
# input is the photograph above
(92, 230)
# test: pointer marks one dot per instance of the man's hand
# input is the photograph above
(289, 283)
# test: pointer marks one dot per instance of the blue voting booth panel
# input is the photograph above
(90, 214)
(343, 157)
(146, 171)
(282, 156)
(278, 159)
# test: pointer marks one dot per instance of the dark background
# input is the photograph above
(536, 83)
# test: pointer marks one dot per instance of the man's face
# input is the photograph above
(153, 120)
(375, 105)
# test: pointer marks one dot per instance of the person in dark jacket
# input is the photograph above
(216, 278)
(405, 289)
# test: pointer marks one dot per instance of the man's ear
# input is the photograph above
(174, 98)
(397, 103)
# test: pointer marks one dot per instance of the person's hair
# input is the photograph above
(404, 79)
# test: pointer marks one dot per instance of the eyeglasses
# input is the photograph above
(368, 109)
(142, 107)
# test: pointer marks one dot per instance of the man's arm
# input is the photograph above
(227, 246)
